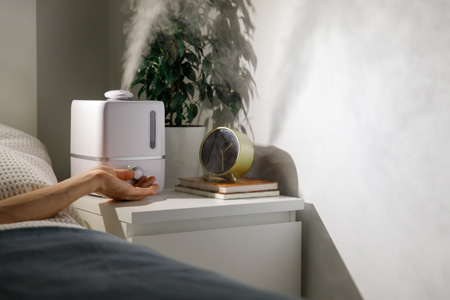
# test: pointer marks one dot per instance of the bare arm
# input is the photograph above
(46, 202)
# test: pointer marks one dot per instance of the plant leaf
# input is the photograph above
(177, 102)
(194, 109)
(141, 90)
(206, 67)
(180, 43)
(190, 75)
(192, 58)
(190, 89)
(190, 113)
(210, 93)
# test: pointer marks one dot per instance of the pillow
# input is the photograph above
(24, 163)
(25, 166)
(22, 142)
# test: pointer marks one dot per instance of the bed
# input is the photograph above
(60, 259)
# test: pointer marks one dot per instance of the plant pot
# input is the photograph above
(182, 153)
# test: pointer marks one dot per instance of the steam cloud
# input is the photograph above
(145, 15)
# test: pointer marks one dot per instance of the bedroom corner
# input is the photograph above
(354, 93)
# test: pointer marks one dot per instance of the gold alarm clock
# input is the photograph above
(226, 153)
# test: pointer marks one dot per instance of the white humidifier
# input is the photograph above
(118, 133)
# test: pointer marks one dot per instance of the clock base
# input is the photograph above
(228, 177)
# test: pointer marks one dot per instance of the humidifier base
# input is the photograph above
(154, 166)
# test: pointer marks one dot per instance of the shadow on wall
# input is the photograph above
(324, 275)
(272, 163)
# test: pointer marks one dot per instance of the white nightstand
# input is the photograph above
(256, 241)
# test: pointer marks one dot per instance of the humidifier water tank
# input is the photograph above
(120, 134)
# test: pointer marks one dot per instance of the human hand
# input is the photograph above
(111, 184)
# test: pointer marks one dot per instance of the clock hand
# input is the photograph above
(227, 147)
(223, 152)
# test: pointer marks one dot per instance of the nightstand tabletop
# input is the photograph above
(172, 205)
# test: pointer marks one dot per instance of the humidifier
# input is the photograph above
(118, 133)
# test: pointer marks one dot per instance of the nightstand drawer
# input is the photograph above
(265, 256)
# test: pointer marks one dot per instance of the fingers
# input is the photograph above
(113, 184)
(139, 193)
(145, 182)
(156, 187)
(143, 188)
(124, 174)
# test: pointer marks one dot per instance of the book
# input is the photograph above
(229, 196)
(225, 187)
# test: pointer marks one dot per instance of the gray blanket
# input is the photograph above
(68, 263)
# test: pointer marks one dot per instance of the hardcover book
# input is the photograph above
(229, 196)
(242, 185)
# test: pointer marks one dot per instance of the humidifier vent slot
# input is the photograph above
(152, 129)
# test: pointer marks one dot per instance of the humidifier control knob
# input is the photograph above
(138, 172)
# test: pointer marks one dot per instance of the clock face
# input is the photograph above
(220, 151)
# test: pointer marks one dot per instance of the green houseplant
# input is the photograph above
(201, 56)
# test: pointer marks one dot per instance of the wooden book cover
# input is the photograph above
(225, 187)
(231, 196)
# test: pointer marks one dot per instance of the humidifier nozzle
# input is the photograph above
(119, 95)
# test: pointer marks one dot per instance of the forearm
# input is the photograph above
(46, 202)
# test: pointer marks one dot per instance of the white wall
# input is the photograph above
(72, 53)
(358, 93)
(18, 99)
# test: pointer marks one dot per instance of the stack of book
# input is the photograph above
(221, 189)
